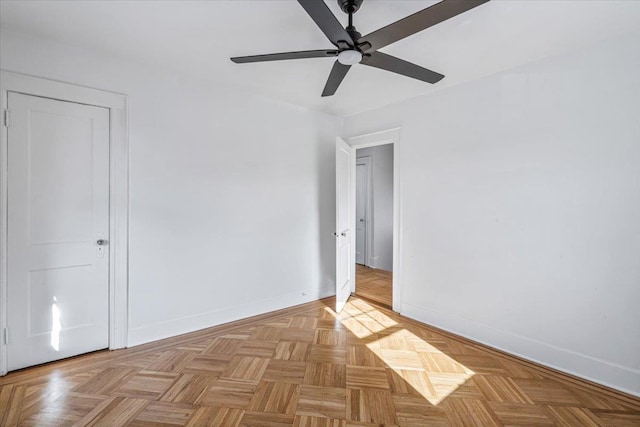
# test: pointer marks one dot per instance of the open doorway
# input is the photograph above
(378, 265)
(374, 176)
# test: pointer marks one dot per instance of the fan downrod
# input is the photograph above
(350, 6)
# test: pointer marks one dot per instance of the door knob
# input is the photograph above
(102, 242)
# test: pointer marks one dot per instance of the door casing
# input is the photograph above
(118, 193)
(389, 136)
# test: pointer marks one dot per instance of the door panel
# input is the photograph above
(344, 262)
(58, 206)
(362, 190)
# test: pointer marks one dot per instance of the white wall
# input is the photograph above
(382, 203)
(232, 196)
(521, 210)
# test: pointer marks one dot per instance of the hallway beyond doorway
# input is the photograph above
(374, 284)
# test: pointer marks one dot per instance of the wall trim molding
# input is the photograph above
(167, 329)
(118, 192)
(608, 374)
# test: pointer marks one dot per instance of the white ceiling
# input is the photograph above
(198, 37)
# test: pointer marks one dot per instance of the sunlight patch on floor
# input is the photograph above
(418, 366)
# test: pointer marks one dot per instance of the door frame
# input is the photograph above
(368, 231)
(118, 193)
(388, 136)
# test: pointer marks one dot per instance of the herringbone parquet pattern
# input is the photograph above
(307, 366)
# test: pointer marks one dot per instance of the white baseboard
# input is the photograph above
(590, 368)
(183, 325)
(373, 261)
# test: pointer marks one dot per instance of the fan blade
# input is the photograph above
(400, 66)
(335, 78)
(287, 55)
(327, 21)
(417, 22)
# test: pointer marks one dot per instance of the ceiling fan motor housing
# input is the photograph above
(349, 6)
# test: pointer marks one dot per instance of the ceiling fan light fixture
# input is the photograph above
(350, 57)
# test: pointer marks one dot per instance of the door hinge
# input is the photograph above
(6, 335)
(6, 118)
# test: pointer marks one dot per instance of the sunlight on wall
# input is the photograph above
(415, 361)
(56, 326)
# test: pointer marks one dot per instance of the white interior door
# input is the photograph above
(344, 262)
(362, 191)
(58, 209)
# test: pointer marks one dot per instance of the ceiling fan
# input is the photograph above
(353, 48)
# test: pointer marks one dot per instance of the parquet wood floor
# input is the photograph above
(374, 284)
(307, 366)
